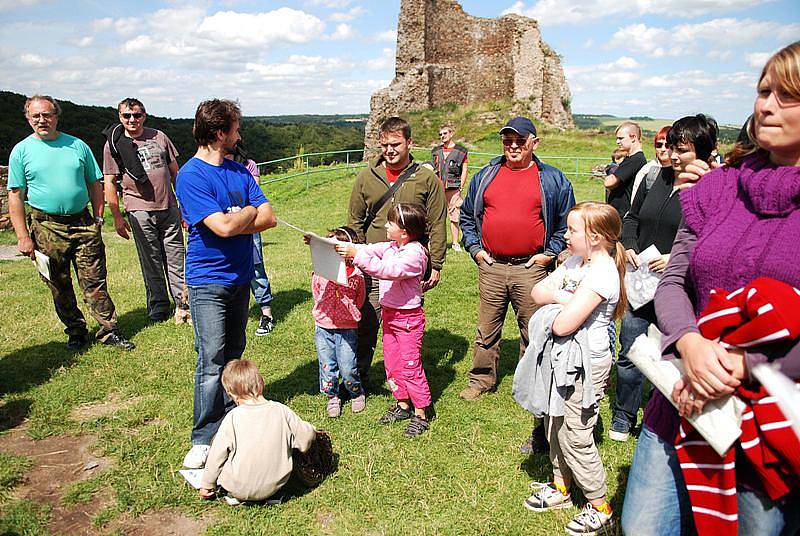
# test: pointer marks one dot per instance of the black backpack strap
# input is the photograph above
(125, 153)
(372, 212)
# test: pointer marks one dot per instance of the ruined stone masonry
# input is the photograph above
(446, 56)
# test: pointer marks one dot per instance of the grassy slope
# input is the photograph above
(466, 476)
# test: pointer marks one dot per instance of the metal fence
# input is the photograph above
(307, 164)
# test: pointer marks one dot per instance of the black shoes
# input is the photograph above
(537, 443)
(115, 338)
(395, 414)
(265, 326)
(76, 342)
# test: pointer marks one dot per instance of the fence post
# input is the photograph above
(307, 174)
(348, 158)
(577, 167)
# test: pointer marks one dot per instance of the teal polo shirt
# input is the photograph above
(55, 174)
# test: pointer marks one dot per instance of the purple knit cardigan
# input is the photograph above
(740, 223)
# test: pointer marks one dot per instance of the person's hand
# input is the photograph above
(707, 366)
(184, 225)
(122, 227)
(306, 239)
(25, 246)
(206, 493)
(659, 264)
(632, 258)
(694, 172)
(541, 259)
(346, 250)
(432, 281)
(689, 403)
(482, 255)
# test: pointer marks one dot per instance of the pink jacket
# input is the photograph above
(400, 270)
(337, 306)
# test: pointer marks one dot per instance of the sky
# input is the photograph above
(660, 58)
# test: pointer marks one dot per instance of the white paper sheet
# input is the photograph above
(192, 476)
(327, 263)
(42, 263)
(641, 283)
(720, 421)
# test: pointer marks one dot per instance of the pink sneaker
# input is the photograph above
(334, 407)
(359, 403)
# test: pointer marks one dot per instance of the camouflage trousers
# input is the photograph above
(75, 240)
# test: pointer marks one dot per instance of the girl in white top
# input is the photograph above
(590, 287)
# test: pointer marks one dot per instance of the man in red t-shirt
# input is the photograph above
(513, 219)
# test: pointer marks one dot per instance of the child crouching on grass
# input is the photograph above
(400, 264)
(336, 316)
(590, 287)
(251, 455)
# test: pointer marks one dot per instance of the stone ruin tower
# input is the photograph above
(446, 56)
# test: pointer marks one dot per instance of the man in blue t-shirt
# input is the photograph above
(223, 206)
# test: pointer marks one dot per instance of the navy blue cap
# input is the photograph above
(521, 125)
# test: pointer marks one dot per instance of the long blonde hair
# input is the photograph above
(603, 219)
(785, 66)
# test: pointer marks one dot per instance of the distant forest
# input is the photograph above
(266, 138)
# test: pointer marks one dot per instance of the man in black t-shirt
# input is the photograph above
(619, 185)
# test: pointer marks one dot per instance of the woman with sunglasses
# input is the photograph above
(653, 220)
(650, 170)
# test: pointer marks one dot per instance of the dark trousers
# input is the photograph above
(499, 285)
(630, 381)
(76, 241)
(368, 330)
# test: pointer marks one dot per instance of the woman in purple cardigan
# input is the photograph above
(741, 221)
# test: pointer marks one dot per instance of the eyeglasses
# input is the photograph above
(135, 115)
(661, 145)
(44, 115)
(445, 133)
(509, 142)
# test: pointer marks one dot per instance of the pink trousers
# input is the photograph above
(402, 355)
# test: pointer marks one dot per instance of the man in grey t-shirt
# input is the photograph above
(151, 207)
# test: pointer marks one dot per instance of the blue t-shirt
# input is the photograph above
(204, 189)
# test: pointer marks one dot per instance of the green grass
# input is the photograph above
(466, 476)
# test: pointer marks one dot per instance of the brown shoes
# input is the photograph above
(471, 393)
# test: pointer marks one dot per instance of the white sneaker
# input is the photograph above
(590, 522)
(547, 498)
(456, 247)
(196, 457)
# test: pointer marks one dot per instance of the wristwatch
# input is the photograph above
(98, 220)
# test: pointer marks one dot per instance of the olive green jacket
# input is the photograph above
(422, 187)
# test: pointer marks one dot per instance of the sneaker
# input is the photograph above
(417, 426)
(395, 414)
(334, 407)
(470, 393)
(159, 317)
(115, 338)
(589, 522)
(359, 403)
(536, 443)
(546, 498)
(619, 432)
(76, 342)
(265, 326)
(196, 457)
(457, 248)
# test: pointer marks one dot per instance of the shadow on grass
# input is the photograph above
(441, 350)
(283, 302)
(509, 357)
(132, 322)
(619, 495)
(34, 365)
(13, 413)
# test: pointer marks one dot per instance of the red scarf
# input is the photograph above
(765, 311)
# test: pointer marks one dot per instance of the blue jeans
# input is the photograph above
(657, 503)
(219, 315)
(336, 353)
(630, 381)
(260, 286)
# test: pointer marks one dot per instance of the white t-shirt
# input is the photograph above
(600, 276)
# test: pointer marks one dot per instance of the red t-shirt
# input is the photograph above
(392, 175)
(512, 215)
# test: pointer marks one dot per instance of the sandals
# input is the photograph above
(395, 414)
(417, 426)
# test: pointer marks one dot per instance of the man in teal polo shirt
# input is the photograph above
(59, 176)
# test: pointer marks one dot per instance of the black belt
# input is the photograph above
(38, 215)
(504, 259)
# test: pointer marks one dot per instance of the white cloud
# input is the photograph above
(83, 42)
(260, 29)
(387, 36)
(343, 32)
(8, 5)
(347, 16)
(330, 4)
(618, 66)
(385, 61)
(34, 61)
(578, 11)
(757, 59)
(686, 39)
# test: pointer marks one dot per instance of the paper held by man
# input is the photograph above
(327, 263)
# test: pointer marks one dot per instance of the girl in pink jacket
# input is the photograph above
(400, 265)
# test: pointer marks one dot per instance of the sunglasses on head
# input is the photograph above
(135, 115)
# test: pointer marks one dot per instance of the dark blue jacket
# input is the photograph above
(557, 199)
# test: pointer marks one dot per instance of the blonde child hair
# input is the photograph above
(241, 379)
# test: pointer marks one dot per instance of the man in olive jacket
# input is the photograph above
(419, 185)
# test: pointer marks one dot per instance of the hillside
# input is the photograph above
(266, 138)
